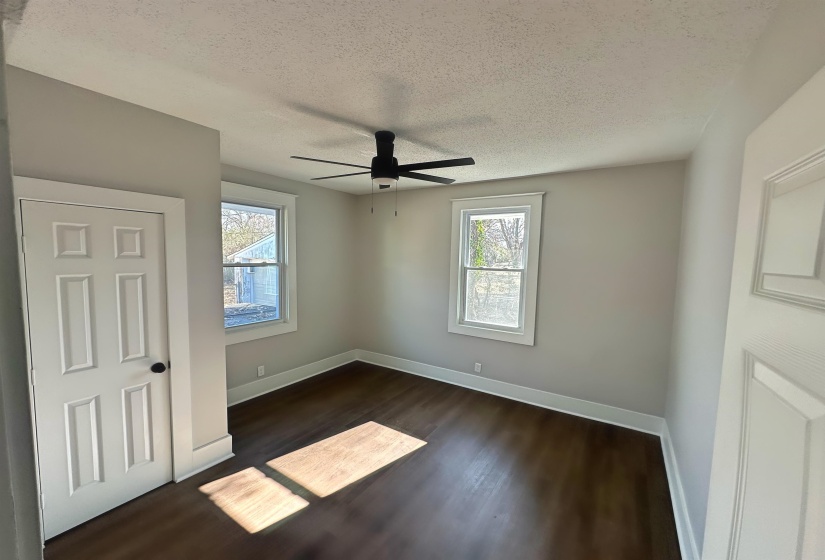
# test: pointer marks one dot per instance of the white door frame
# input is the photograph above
(177, 299)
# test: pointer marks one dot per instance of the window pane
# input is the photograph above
(251, 295)
(496, 240)
(250, 234)
(493, 297)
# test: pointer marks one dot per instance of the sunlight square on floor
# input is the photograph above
(333, 463)
(253, 500)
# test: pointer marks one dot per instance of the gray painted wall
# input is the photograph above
(790, 51)
(606, 283)
(64, 133)
(326, 285)
(19, 521)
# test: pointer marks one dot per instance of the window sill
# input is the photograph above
(525, 338)
(236, 335)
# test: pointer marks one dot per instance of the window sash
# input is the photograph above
(281, 289)
(465, 230)
(277, 262)
(493, 269)
(251, 264)
(465, 269)
(272, 288)
(280, 233)
(495, 326)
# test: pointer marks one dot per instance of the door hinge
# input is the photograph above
(33, 377)
(42, 501)
(23, 243)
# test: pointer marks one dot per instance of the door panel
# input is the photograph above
(131, 324)
(767, 495)
(83, 443)
(783, 441)
(789, 261)
(97, 317)
(74, 315)
(137, 425)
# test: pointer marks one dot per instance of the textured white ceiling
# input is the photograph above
(524, 87)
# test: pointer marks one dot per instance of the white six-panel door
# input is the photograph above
(767, 496)
(97, 319)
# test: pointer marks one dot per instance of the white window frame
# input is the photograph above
(285, 203)
(461, 211)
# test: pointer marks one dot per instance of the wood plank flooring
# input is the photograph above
(497, 479)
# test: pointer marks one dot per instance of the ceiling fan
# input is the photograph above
(385, 169)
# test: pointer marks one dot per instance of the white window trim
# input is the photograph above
(243, 194)
(526, 335)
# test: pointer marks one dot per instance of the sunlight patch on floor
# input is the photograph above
(331, 464)
(253, 500)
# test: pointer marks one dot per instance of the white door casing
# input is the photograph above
(187, 460)
(96, 305)
(767, 494)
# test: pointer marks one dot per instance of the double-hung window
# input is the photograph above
(494, 269)
(259, 269)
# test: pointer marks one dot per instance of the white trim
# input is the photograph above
(253, 196)
(526, 332)
(248, 391)
(205, 467)
(174, 221)
(495, 196)
(569, 405)
(687, 539)
(208, 455)
(577, 407)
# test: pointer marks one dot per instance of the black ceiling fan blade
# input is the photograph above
(437, 164)
(423, 177)
(336, 176)
(332, 162)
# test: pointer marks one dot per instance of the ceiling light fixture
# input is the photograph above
(384, 182)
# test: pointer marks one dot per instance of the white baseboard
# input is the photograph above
(687, 539)
(208, 455)
(586, 409)
(248, 391)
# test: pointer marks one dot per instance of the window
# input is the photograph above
(259, 270)
(494, 268)
(271, 285)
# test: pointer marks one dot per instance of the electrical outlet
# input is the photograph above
(260, 371)
(477, 367)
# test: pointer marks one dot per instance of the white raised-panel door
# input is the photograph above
(767, 495)
(97, 320)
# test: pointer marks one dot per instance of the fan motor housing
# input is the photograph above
(384, 167)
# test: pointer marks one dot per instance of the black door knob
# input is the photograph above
(159, 367)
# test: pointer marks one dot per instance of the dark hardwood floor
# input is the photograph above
(497, 479)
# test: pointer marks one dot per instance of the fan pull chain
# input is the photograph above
(372, 197)
(397, 181)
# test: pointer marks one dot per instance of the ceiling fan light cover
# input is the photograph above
(384, 182)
